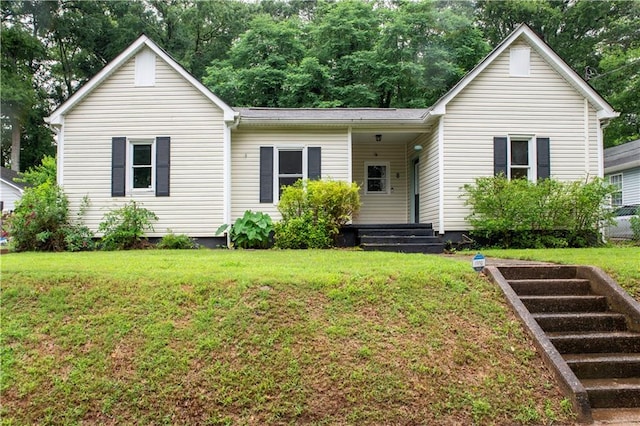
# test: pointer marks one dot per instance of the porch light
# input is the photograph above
(417, 147)
(378, 138)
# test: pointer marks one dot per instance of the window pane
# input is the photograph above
(376, 185)
(142, 177)
(519, 173)
(290, 162)
(520, 153)
(377, 172)
(141, 155)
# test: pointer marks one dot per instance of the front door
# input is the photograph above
(415, 184)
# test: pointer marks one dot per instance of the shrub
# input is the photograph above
(172, 241)
(549, 213)
(124, 228)
(39, 219)
(303, 232)
(313, 211)
(635, 226)
(252, 230)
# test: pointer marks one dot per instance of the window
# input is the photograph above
(519, 61)
(284, 166)
(142, 165)
(377, 178)
(616, 196)
(289, 167)
(520, 159)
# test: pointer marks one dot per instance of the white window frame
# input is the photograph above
(276, 168)
(532, 169)
(387, 180)
(130, 165)
(619, 186)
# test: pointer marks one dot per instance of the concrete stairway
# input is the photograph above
(592, 325)
(404, 238)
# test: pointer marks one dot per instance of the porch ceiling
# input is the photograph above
(394, 137)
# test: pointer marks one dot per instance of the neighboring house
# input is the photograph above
(10, 190)
(622, 169)
(144, 129)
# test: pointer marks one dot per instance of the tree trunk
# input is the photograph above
(15, 144)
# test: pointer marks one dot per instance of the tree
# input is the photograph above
(22, 56)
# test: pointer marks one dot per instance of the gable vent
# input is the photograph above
(145, 68)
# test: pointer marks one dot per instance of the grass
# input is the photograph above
(263, 337)
(622, 263)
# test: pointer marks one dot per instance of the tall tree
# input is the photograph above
(22, 58)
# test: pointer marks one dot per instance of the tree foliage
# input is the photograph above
(300, 53)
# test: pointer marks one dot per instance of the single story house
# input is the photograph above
(622, 169)
(144, 129)
(10, 189)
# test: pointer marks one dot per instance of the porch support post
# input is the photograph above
(441, 175)
(349, 155)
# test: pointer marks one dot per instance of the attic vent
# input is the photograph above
(146, 68)
(520, 62)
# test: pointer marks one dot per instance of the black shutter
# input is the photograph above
(163, 162)
(266, 174)
(500, 156)
(544, 160)
(118, 166)
(313, 163)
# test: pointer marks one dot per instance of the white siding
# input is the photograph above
(173, 108)
(495, 104)
(382, 208)
(630, 185)
(9, 196)
(245, 162)
(429, 179)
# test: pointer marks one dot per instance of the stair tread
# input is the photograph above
(549, 280)
(612, 383)
(561, 296)
(561, 315)
(592, 334)
(602, 357)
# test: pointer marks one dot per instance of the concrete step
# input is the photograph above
(613, 393)
(405, 248)
(566, 303)
(396, 232)
(395, 239)
(575, 343)
(581, 321)
(542, 272)
(604, 365)
(540, 287)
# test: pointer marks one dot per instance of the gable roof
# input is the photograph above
(604, 110)
(622, 157)
(8, 176)
(142, 42)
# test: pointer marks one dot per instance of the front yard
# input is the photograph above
(255, 337)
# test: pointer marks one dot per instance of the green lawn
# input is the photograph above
(622, 263)
(263, 337)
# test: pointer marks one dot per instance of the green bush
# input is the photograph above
(549, 213)
(39, 219)
(172, 241)
(635, 226)
(313, 211)
(303, 232)
(125, 228)
(252, 230)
